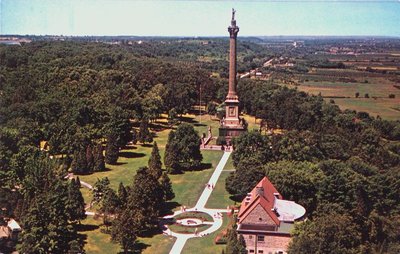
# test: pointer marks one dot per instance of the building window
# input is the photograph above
(260, 238)
(260, 251)
(251, 251)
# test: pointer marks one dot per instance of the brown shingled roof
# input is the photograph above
(266, 200)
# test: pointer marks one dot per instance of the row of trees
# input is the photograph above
(88, 159)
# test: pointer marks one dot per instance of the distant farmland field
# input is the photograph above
(387, 108)
(343, 94)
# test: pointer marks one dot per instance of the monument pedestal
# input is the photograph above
(226, 133)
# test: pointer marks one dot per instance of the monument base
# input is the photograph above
(226, 133)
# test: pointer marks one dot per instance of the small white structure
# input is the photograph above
(15, 229)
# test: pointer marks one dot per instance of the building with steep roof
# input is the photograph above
(265, 219)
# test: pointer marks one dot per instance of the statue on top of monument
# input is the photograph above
(233, 21)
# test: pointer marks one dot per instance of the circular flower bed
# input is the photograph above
(191, 222)
(179, 228)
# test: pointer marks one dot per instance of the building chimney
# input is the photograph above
(276, 196)
(260, 191)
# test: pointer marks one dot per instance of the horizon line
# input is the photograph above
(199, 36)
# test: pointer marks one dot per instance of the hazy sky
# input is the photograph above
(199, 18)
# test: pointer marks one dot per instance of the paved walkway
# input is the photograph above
(200, 207)
(212, 182)
(84, 184)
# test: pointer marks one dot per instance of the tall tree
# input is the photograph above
(183, 148)
(171, 154)
(112, 149)
(154, 163)
(46, 228)
(296, 181)
(75, 206)
(235, 244)
(100, 188)
(124, 229)
(118, 124)
(144, 135)
(98, 157)
(153, 102)
(89, 158)
(109, 204)
(172, 117)
(248, 173)
(166, 185)
(188, 142)
(79, 164)
(122, 195)
(145, 197)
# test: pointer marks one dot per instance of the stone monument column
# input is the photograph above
(232, 100)
(231, 124)
(233, 30)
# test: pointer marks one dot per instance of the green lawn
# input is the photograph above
(219, 198)
(129, 161)
(87, 194)
(96, 241)
(206, 245)
(253, 124)
(157, 244)
(189, 186)
(137, 156)
(229, 164)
